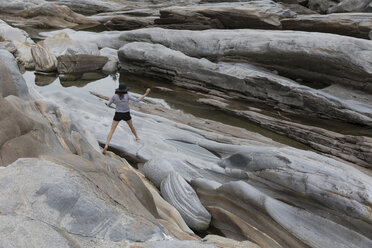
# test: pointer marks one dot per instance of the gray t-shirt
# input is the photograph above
(122, 105)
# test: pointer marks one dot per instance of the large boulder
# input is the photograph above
(12, 82)
(103, 39)
(253, 14)
(24, 55)
(43, 15)
(179, 194)
(61, 44)
(312, 57)
(44, 60)
(13, 34)
(80, 63)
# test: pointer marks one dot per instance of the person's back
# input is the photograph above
(121, 101)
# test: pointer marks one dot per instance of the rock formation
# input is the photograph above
(286, 72)
(252, 14)
(313, 57)
(157, 60)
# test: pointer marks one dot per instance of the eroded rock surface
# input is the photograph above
(252, 14)
(43, 15)
(351, 24)
(157, 60)
(179, 194)
(313, 57)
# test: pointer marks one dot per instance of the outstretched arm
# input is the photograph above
(110, 102)
(140, 98)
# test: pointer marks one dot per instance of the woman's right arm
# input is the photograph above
(111, 101)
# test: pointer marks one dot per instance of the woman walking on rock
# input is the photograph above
(122, 112)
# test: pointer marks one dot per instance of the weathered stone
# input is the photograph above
(12, 82)
(352, 6)
(156, 170)
(43, 15)
(128, 22)
(356, 149)
(44, 60)
(110, 67)
(110, 53)
(253, 14)
(274, 221)
(227, 243)
(157, 60)
(61, 44)
(179, 194)
(323, 57)
(13, 34)
(328, 193)
(80, 63)
(63, 197)
(9, 46)
(23, 54)
(104, 39)
(354, 24)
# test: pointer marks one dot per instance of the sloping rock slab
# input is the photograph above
(61, 197)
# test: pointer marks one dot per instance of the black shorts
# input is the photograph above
(122, 116)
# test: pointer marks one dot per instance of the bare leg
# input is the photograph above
(130, 124)
(113, 127)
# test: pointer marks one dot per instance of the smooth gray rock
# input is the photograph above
(110, 67)
(12, 82)
(157, 60)
(273, 218)
(180, 195)
(156, 170)
(322, 57)
(112, 54)
(14, 34)
(103, 39)
(18, 231)
(62, 197)
(352, 6)
(351, 24)
(336, 193)
(321, 6)
(61, 44)
(9, 46)
(178, 243)
(253, 14)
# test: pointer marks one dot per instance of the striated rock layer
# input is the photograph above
(253, 14)
(313, 56)
(157, 60)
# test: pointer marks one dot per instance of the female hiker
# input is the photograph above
(121, 100)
